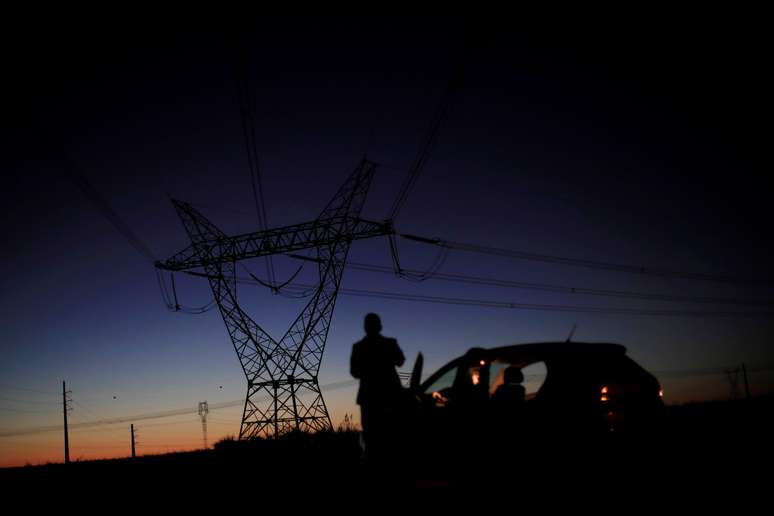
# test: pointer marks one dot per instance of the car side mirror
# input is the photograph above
(416, 373)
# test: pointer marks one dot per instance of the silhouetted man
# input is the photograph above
(373, 361)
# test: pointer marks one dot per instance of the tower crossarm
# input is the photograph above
(318, 233)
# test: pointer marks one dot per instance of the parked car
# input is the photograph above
(571, 389)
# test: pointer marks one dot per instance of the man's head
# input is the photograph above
(513, 374)
(373, 325)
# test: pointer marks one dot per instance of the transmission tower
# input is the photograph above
(204, 409)
(283, 392)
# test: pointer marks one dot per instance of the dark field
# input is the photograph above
(723, 448)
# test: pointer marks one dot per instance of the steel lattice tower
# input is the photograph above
(283, 392)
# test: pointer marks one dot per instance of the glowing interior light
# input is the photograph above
(482, 362)
(603, 398)
(604, 390)
(476, 378)
(661, 393)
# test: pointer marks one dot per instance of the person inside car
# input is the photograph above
(511, 393)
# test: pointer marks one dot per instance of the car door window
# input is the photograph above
(534, 377)
(439, 389)
(496, 376)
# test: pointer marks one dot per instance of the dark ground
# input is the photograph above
(705, 452)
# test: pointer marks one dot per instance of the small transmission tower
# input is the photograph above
(283, 392)
(733, 382)
(204, 409)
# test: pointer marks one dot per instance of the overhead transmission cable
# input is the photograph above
(559, 289)
(549, 287)
(489, 303)
(103, 206)
(580, 262)
(151, 415)
(106, 210)
(428, 142)
(171, 300)
(248, 129)
(399, 296)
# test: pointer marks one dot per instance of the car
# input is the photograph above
(571, 390)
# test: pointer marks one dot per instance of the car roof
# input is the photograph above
(541, 351)
(525, 354)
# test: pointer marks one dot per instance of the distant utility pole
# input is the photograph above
(132, 428)
(746, 383)
(65, 408)
(572, 332)
(733, 381)
(203, 411)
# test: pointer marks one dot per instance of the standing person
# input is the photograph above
(373, 362)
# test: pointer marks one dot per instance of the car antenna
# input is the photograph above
(572, 332)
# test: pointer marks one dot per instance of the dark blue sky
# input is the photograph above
(644, 143)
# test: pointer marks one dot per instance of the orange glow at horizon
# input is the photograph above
(153, 436)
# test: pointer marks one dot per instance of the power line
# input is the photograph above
(248, 129)
(413, 275)
(26, 389)
(171, 301)
(223, 421)
(23, 411)
(432, 273)
(579, 262)
(174, 447)
(89, 411)
(114, 421)
(561, 289)
(106, 210)
(710, 371)
(97, 446)
(100, 429)
(16, 400)
(428, 143)
(275, 287)
(151, 415)
(488, 303)
(551, 308)
(186, 422)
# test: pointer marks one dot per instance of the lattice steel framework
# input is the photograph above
(282, 388)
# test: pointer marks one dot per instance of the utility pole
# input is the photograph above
(746, 383)
(65, 408)
(203, 411)
(132, 429)
(572, 332)
(733, 381)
